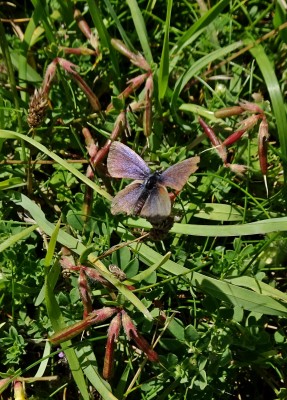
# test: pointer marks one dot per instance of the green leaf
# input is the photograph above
(52, 245)
(11, 183)
(176, 328)
(202, 111)
(146, 273)
(258, 286)
(37, 214)
(191, 333)
(42, 367)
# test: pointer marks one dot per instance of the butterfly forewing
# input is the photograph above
(126, 200)
(157, 204)
(177, 175)
(123, 162)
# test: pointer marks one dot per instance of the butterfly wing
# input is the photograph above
(126, 200)
(123, 162)
(157, 204)
(177, 175)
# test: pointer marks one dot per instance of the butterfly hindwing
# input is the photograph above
(157, 204)
(126, 200)
(177, 175)
(123, 162)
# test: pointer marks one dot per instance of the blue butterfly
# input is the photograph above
(147, 196)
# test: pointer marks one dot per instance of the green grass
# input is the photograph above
(211, 295)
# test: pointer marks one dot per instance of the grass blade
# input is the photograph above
(15, 238)
(14, 135)
(140, 28)
(105, 38)
(91, 372)
(164, 61)
(198, 27)
(273, 87)
(222, 290)
(119, 25)
(198, 66)
(58, 323)
(253, 228)
(67, 240)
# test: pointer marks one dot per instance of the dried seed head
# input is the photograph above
(263, 136)
(228, 112)
(251, 107)
(136, 58)
(85, 293)
(37, 108)
(113, 334)
(249, 122)
(132, 333)
(238, 169)
(147, 117)
(49, 76)
(234, 137)
(160, 227)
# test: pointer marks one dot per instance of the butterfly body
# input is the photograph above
(147, 195)
(149, 185)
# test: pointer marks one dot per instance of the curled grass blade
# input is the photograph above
(42, 367)
(202, 111)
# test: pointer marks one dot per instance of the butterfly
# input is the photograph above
(147, 196)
